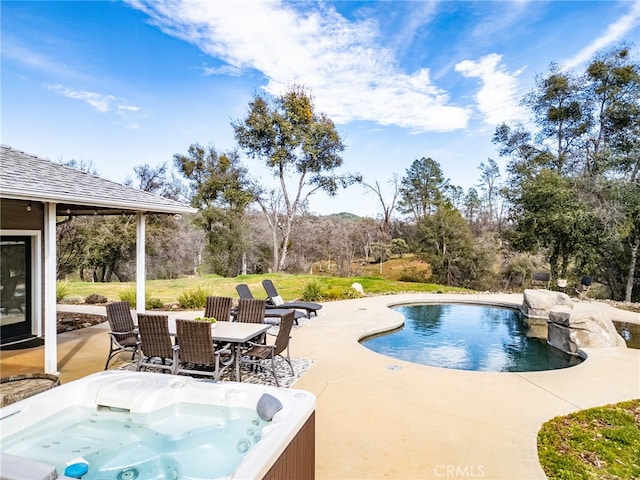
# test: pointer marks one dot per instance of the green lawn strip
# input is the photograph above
(598, 443)
(289, 286)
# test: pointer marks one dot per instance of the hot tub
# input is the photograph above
(119, 425)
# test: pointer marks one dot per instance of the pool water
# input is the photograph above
(468, 337)
(630, 332)
(179, 441)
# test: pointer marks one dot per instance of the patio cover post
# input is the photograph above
(140, 262)
(50, 320)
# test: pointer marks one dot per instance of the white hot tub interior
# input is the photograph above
(128, 425)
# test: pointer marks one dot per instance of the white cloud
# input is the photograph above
(102, 103)
(99, 101)
(498, 98)
(221, 70)
(614, 33)
(351, 75)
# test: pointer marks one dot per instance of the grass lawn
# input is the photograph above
(289, 286)
(599, 443)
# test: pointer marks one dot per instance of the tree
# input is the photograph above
(572, 183)
(549, 214)
(446, 242)
(220, 187)
(472, 205)
(387, 206)
(156, 180)
(421, 188)
(303, 149)
(490, 173)
(560, 113)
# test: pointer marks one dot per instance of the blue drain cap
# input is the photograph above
(76, 470)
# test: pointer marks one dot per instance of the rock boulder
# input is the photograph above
(570, 330)
(537, 304)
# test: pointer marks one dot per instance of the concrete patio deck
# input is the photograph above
(415, 421)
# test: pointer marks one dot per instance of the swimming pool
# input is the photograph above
(468, 337)
(132, 425)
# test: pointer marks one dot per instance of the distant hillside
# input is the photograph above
(346, 216)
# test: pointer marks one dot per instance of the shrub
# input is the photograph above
(152, 303)
(413, 274)
(349, 293)
(313, 291)
(193, 298)
(95, 298)
(62, 290)
(341, 293)
(128, 295)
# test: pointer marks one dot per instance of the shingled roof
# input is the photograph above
(29, 177)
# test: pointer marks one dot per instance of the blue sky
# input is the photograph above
(126, 83)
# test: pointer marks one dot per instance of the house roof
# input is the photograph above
(28, 177)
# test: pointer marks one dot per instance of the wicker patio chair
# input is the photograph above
(218, 308)
(256, 354)
(275, 299)
(198, 354)
(124, 333)
(250, 311)
(155, 343)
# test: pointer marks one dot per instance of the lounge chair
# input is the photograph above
(155, 343)
(218, 308)
(198, 354)
(583, 287)
(541, 279)
(276, 300)
(124, 333)
(271, 311)
(256, 353)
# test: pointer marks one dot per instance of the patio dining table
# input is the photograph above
(235, 333)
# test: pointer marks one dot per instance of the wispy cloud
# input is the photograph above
(614, 33)
(103, 103)
(99, 101)
(352, 76)
(498, 97)
(20, 53)
(221, 70)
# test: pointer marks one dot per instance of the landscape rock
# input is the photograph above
(571, 330)
(537, 304)
(358, 288)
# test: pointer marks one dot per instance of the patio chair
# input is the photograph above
(250, 310)
(123, 334)
(197, 352)
(271, 311)
(155, 343)
(540, 280)
(583, 287)
(256, 354)
(218, 308)
(276, 300)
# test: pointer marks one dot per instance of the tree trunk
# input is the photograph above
(632, 270)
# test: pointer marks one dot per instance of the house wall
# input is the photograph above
(14, 215)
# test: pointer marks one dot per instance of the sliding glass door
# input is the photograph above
(15, 288)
